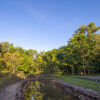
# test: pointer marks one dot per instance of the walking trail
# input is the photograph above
(9, 92)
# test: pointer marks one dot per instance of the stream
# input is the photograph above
(45, 91)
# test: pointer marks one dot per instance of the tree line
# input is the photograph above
(81, 55)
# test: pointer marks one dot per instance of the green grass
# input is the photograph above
(90, 84)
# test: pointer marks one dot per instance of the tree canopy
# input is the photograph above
(81, 54)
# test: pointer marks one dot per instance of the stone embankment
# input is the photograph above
(80, 92)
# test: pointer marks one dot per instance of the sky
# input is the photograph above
(44, 24)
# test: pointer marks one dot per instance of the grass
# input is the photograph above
(7, 79)
(90, 84)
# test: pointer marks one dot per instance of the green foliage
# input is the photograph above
(16, 59)
(80, 55)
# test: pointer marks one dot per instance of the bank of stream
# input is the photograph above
(40, 87)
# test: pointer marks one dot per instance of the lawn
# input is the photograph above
(90, 84)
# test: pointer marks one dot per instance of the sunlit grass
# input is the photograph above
(90, 84)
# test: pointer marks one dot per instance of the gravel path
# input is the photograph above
(90, 77)
(9, 92)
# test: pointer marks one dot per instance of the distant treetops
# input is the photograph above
(80, 55)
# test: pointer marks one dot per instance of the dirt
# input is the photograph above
(9, 92)
(90, 77)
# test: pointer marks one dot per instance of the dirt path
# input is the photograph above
(90, 77)
(9, 92)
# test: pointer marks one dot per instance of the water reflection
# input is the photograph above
(33, 98)
(40, 91)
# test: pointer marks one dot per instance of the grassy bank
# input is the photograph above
(7, 79)
(90, 84)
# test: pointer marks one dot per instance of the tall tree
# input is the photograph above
(12, 61)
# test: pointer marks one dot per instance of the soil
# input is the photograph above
(16, 90)
(9, 93)
(95, 78)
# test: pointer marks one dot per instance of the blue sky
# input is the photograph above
(44, 24)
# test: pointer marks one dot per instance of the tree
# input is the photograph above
(12, 61)
(91, 28)
(4, 48)
(26, 65)
(83, 41)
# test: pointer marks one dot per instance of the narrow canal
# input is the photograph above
(43, 91)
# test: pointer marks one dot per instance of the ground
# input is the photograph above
(9, 92)
(8, 85)
(91, 77)
(90, 82)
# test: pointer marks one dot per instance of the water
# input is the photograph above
(43, 91)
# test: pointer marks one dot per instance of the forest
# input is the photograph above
(80, 56)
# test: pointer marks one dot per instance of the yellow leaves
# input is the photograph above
(39, 60)
(1, 59)
(10, 56)
(11, 60)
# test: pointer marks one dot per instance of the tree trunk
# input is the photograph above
(84, 72)
(84, 68)
(4, 63)
(84, 65)
(66, 70)
(73, 71)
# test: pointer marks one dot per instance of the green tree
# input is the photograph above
(12, 61)
(4, 48)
